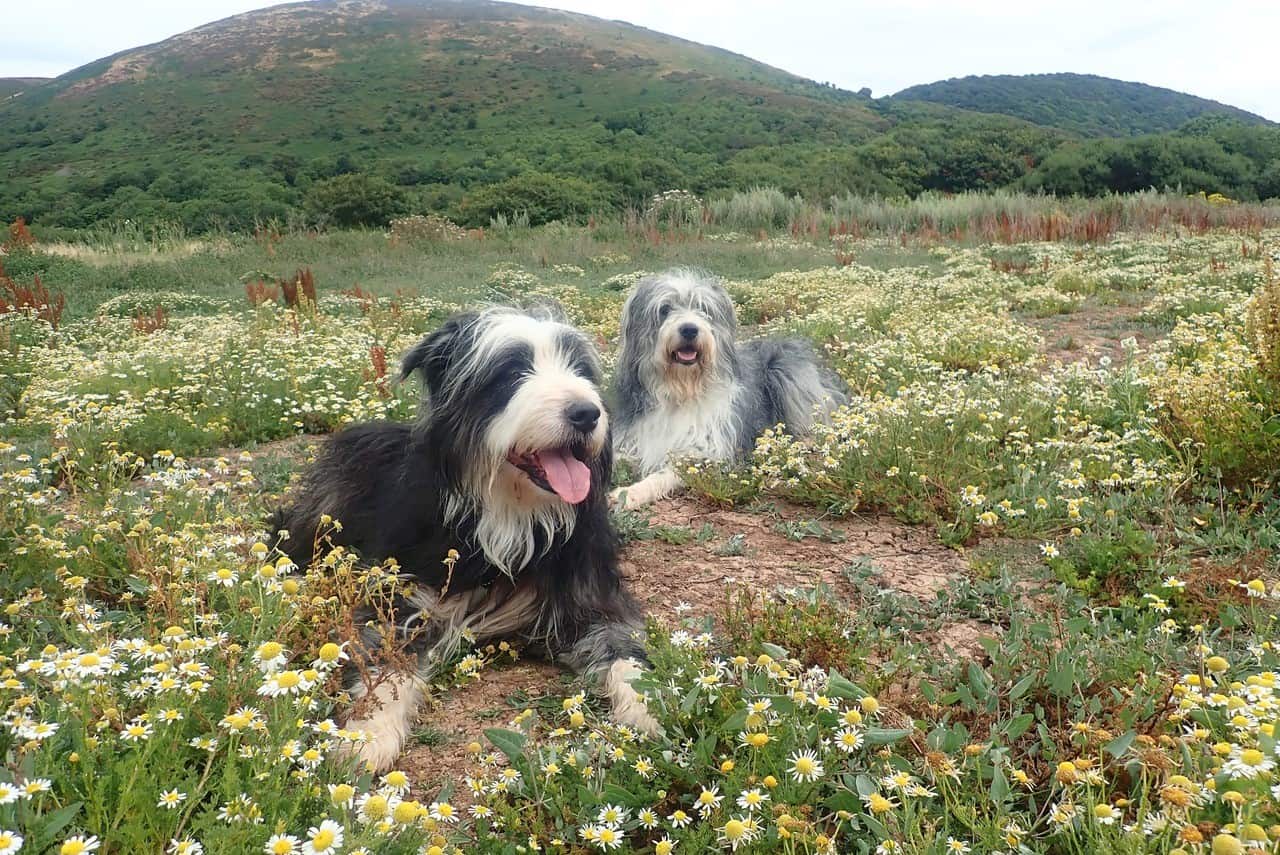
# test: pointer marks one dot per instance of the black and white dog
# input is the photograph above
(508, 464)
(685, 387)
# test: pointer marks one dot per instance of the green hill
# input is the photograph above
(350, 111)
(1082, 104)
(436, 93)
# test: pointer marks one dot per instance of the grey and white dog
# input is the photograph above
(686, 387)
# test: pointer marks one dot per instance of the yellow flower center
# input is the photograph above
(289, 679)
(322, 840)
(734, 829)
(1251, 757)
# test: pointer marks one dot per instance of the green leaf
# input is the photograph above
(54, 822)
(1021, 687)
(876, 736)
(509, 742)
(705, 750)
(690, 700)
(613, 794)
(1118, 746)
(979, 682)
(839, 687)
(999, 784)
(844, 800)
(775, 651)
(736, 721)
(1017, 726)
(876, 826)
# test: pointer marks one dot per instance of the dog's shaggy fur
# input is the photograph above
(685, 387)
(508, 464)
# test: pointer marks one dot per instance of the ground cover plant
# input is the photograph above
(1019, 596)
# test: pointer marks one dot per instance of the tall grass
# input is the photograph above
(758, 208)
(1002, 216)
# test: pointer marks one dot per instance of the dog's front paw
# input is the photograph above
(379, 752)
(618, 499)
(627, 704)
(635, 716)
(386, 727)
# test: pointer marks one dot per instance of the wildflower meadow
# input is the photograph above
(1086, 428)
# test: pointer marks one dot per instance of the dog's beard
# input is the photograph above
(508, 503)
(681, 381)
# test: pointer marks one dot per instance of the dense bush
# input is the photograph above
(355, 199)
(539, 195)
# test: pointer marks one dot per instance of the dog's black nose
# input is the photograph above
(583, 415)
(688, 332)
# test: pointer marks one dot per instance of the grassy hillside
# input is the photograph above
(10, 86)
(1083, 104)
(423, 93)
(349, 112)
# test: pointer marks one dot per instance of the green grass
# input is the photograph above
(447, 271)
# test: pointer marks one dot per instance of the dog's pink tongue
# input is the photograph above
(567, 475)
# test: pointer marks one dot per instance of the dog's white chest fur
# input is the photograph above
(701, 427)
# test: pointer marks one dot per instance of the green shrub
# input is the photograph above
(539, 196)
(355, 199)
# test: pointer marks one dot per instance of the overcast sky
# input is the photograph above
(1223, 50)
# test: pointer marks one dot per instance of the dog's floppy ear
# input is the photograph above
(432, 356)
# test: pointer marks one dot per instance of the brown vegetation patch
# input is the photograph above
(1091, 333)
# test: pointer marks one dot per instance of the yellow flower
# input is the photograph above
(878, 804)
(1227, 844)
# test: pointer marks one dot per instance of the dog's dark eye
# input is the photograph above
(585, 369)
(505, 372)
(663, 311)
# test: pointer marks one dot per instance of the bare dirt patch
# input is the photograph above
(662, 574)
(1091, 333)
(448, 723)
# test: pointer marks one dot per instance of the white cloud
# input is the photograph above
(1217, 50)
